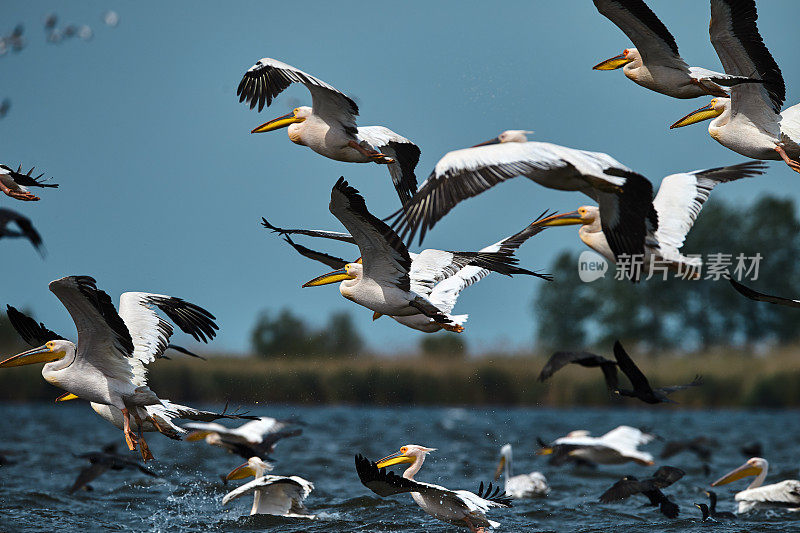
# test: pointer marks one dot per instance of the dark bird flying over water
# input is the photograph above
(103, 461)
(25, 228)
(651, 487)
(560, 359)
(641, 387)
(700, 446)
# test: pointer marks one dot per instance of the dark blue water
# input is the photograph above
(41, 439)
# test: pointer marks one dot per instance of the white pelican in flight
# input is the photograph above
(274, 495)
(459, 507)
(25, 228)
(107, 366)
(443, 294)
(676, 205)
(256, 438)
(329, 126)
(750, 122)
(384, 279)
(533, 485)
(785, 494)
(655, 63)
(15, 184)
(623, 195)
(618, 446)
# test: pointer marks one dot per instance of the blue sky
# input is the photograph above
(163, 187)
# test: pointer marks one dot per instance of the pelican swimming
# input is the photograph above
(107, 366)
(256, 438)
(655, 63)
(385, 280)
(15, 184)
(676, 207)
(623, 195)
(532, 485)
(750, 121)
(25, 231)
(618, 446)
(329, 126)
(458, 507)
(443, 294)
(273, 495)
(784, 495)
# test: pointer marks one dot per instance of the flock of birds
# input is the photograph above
(108, 365)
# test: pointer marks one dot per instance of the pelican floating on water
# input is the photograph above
(459, 507)
(676, 207)
(750, 121)
(443, 294)
(256, 438)
(385, 280)
(107, 366)
(25, 231)
(785, 495)
(655, 62)
(273, 495)
(329, 126)
(532, 485)
(618, 446)
(15, 184)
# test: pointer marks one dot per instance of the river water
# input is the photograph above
(39, 441)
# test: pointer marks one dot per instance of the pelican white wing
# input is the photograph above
(783, 494)
(404, 152)
(278, 495)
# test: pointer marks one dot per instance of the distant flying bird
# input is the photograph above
(329, 126)
(618, 446)
(385, 279)
(676, 206)
(103, 461)
(750, 121)
(761, 297)
(700, 446)
(272, 495)
(108, 365)
(531, 485)
(623, 195)
(650, 487)
(655, 63)
(443, 294)
(641, 387)
(783, 495)
(753, 449)
(25, 231)
(5, 105)
(252, 439)
(457, 507)
(559, 360)
(712, 507)
(15, 184)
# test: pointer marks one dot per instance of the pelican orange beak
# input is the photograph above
(278, 123)
(614, 63)
(544, 451)
(43, 354)
(704, 113)
(331, 277)
(241, 472)
(67, 396)
(500, 466)
(564, 219)
(734, 475)
(496, 140)
(395, 459)
(197, 435)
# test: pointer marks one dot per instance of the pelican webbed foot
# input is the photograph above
(794, 165)
(130, 436)
(455, 328)
(19, 195)
(145, 449)
(374, 155)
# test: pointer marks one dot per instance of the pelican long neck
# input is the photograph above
(720, 121)
(260, 471)
(759, 480)
(412, 470)
(60, 364)
(507, 469)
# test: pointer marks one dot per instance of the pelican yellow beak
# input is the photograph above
(564, 219)
(735, 475)
(704, 113)
(67, 396)
(278, 123)
(544, 451)
(197, 435)
(496, 140)
(330, 277)
(241, 472)
(500, 466)
(614, 63)
(43, 354)
(395, 459)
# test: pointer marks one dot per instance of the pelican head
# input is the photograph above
(755, 466)
(714, 109)
(349, 272)
(409, 453)
(627, 55)
(505, 456)
(508, 136)
(253, 467)
(51, 351)
(298, 114)
(583, 215)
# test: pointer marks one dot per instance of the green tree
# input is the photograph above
(285, 335)
(443, 346)
(340, 337)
